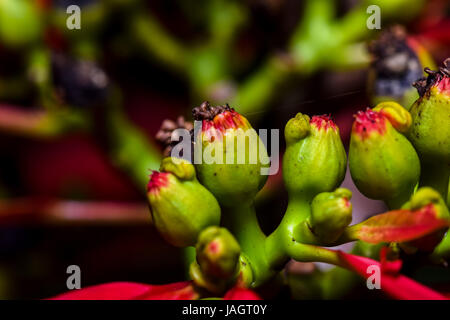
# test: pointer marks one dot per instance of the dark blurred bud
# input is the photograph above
(165, 136)
(397, 63)
(79, 83)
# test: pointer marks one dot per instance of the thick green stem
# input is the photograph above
(189, 255)
(243, 223)
(282, 238)
(310, 253)
(397, 202)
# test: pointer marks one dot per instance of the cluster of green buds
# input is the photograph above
(393, 151)
(209, 204)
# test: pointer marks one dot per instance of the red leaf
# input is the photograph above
(131, 291)
(397, 286)
(400, 225)
(239, 293)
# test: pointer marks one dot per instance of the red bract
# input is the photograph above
(395, 285)
(137, 291)
(400, 225)
(132, 291)
(239, 293)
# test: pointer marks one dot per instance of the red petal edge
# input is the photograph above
(239, 293)
(400, 225)
(131, 291)
(397, 286)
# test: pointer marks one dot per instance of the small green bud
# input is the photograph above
(218, 252)
(232, 155)
(180, 206)
(331, 213)
(398, 116)
(181, 168)
(297, 128)
(383, 163)
(315, 159)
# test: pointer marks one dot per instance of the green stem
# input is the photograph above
(224, 20)
(243, 223)
(397, 202)
(442, 251)
(285, 234)
(258, 89)
(152, 36)
(189, 255)
(310, 253)
(130, 149)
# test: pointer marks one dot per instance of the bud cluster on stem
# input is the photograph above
(188, 201)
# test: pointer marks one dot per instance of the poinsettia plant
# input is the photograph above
(396, 154)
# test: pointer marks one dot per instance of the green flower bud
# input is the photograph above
(315, 159)
(231, 153)
(20, 22)
(218, 252)
(383, 163)
(430, 130)
(331, 213)
(180, 206)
